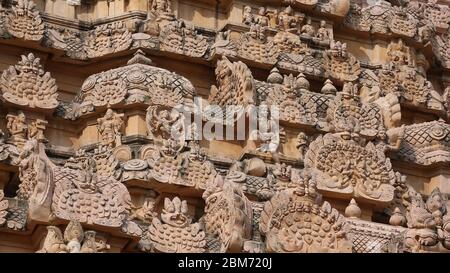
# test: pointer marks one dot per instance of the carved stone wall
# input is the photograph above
(115, 134)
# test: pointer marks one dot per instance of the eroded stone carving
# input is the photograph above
(235, 85)
(109, 128)
(352, 167)
(228, 215)
(26, 84)
(87, 190)
(3, 208)
(107, 39)
(401, 77)
(75, 240)
(427, 222)
(425, 143)
(24, 21)
(182, 38)
(175, 232)
(340, 64)
(295, 221)
(190, 168)
(139, 81)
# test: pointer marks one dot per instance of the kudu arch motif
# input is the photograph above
(156, 131)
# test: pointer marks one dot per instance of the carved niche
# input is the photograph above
(74, 240)
(228, 215)
(175, 232)
(24, 21)
(137, 82)
(109, 128)
(340, 64)
(295, 221)
(27, 84)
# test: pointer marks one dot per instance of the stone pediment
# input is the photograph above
(295, 221)
(351, 167)
(137, 82)
(27, 84)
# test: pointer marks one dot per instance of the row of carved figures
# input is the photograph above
(88, 179)
(428, 22)
(293, 220)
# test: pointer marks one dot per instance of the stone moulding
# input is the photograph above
(27, 84)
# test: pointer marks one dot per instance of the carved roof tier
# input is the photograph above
(137, 82)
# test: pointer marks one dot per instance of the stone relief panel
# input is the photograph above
(87, 191)
(352, 167)
(175, 232)
(340, 64)
(295, 221)
(23, 21)
(74, 240)
(424, 143)
(137, 82)
(102, 40)
(228, 215)
(162, 29)
(411, 19)
(27, 84)
(428, 223)
(404, 76)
